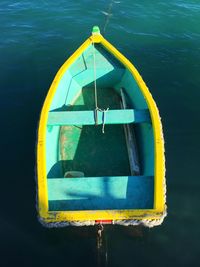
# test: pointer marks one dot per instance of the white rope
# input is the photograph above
(95, 78)
(145, 222)
(104, 118)
(104, 111)
(96, 97)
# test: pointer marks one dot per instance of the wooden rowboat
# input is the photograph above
(100, 149)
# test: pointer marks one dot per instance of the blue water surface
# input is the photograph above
(162, 39)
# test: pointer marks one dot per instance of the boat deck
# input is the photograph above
(102, 158)
(86, 148)
(94, 153)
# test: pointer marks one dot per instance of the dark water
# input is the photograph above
(162, 38)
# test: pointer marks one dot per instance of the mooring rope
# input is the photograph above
(95, 79)
(108, 14)
(96, 96)
(102, 253)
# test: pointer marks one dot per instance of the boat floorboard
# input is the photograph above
(86, 148)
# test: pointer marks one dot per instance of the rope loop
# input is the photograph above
(96, 98)
(95, 78)
(104, 111)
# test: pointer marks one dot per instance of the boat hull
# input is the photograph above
(110, 187)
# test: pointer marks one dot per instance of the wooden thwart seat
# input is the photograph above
(93, 193)
(88, 117)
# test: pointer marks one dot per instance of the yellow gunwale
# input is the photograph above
(159, 193)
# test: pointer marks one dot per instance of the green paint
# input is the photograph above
(52, 144)
(67, 89)
(108, 70)
(81, 74)
(75, 144)
(132, 91)
(95, 154)
(86, 149)
(143, 131)
(88, 118)
(95, 29)
(93, 193)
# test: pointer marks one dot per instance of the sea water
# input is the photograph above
(162, 39)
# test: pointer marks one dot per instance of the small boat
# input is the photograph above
(100, 147)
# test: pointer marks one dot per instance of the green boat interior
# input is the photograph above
(99, 159)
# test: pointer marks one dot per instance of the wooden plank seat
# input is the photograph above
(94, 193)
(88, 117)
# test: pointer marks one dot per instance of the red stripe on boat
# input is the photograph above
(103, 221)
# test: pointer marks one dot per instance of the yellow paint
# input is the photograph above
(159, 198)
